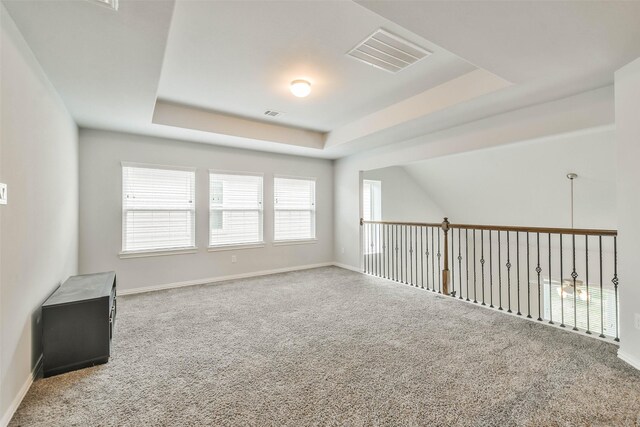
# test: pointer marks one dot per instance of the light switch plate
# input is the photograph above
(637, 320)
(3, 194)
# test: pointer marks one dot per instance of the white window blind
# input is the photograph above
(235, 209)
(158, 208)
(294, 209)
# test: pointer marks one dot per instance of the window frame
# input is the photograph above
(371, 200)
(232, 246)
(124, 253)
(368, 249)
(287, 242)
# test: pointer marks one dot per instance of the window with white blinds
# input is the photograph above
(235, 209)
(294, 209)
(371, 200)
(371, 211)
(158, 208)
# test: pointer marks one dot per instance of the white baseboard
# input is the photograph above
(221, 278)
(347, 267)
(631, 360)
(6, 417)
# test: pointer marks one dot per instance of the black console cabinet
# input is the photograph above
(77, 323)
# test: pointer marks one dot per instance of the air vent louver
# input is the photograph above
(388, 52)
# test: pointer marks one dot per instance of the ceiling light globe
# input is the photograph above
(300, 88)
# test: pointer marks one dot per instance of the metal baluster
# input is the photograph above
(375, 249)
(550, 294)
(368, 249)
(482, 262)
(460, 261)
(403, 271)
(433, 261)
(475, 300)
(397, 255)
(586, 249)
(439, 265)
(508, 275)
(421, 258)
(615, 280)
(426, 230)
(490, 270)
(499, 272)
(411, 257)
(528, 281)
(466, 248)
(574, 275)
(561, 285)
(363, 232)
(406, 256)
(386, 251)
(518, 268)
(453, 265)
(394, 256)
(538, 271)
(601, 293)
(379, 250)
(416, 253)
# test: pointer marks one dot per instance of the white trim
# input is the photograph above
(158, 252)
(347, 267)
(236, 246)
(221, 278)
(306, 178)
(294, 242)
(13, 407)
(230, 172)
(631, 360)
(125, 164)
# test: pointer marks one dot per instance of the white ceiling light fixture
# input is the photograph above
(111, 4)
(300, 88)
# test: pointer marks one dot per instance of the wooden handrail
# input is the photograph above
(423, 224)
(550, 230)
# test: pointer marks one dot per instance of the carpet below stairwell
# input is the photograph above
(330, 347)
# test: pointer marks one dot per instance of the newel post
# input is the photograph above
(445, 270)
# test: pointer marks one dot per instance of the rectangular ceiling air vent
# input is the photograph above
(388, 52)
(272, 113)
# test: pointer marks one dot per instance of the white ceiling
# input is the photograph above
(225, 62)
(240, 57)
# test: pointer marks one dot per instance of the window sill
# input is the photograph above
(157, 252)
(236, 247)
(294, 242)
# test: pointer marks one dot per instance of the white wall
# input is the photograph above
(589, 110)
(526, 184)
(402, 197)
(101, 217)
(39, 225)
(628, 139)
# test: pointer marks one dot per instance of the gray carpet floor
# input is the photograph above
(330, 347)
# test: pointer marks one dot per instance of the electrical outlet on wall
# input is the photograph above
(234, 258)
(3, 194)
(637, 321)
